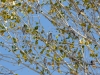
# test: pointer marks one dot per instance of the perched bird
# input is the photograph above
(92, 62)
(24, 28)
(49, 37)
(98, 3)
(81, 11)
(37, 8)
(45, 61)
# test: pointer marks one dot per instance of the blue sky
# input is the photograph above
(20, 69)
(47, 27)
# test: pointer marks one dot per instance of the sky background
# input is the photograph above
(48, 27)
(24, 70)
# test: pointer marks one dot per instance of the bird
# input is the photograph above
(24, 28)
(81, 11)
(92, 62)
(98, 3)
(49, 37)
(37, 8)
(45, 61)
